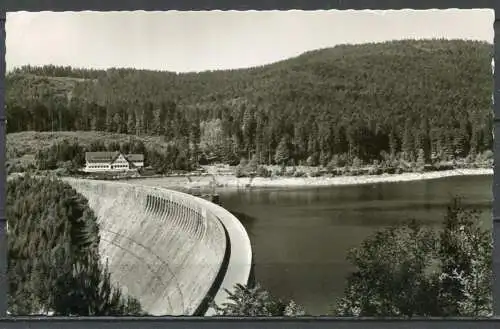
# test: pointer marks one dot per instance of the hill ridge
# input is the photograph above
(378, 101)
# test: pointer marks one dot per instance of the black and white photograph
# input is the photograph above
(250, 163)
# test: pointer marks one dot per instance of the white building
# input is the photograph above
(112, 161)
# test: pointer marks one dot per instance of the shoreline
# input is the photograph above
(231, 181)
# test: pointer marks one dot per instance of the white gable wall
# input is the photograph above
(120, 164)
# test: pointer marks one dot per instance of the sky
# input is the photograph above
(212, 40)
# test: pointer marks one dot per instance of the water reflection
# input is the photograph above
(300, 236)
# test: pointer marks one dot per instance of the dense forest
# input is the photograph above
(53, 261)
(427, 100)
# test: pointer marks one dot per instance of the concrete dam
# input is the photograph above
(170, 250)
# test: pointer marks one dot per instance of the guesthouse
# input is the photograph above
(112, 161)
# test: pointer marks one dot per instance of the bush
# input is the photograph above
(443, 166)
(277, 172)
(255, 301)
(390, 170)
(353, 171)
(485, 156)
(243, 162)
(411, 270)
(240, 172)
(61, 172)
(375, 170)
(263, 172)
(312, 160)
(357, 163)
(16, 166)
(291, 172)
(299, 173)
(253, 165)
(315, 173)
(332, 165)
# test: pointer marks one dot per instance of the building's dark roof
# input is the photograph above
(109, 157)
(135, 157)
(100, 157)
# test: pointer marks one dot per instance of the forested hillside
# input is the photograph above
(53, 256)
(428, 99)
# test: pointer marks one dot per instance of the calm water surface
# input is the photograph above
(300, 236)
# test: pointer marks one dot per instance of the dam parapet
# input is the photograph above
(169, 249)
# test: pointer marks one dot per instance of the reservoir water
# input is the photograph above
(300, 236)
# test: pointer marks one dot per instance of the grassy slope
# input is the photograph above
(23, 145)
(60, 87)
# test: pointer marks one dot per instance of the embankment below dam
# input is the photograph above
(171, 250)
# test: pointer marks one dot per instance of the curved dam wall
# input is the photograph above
(169, 249)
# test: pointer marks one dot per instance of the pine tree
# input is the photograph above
(53, 252)
(407, 143)
(420, 159)
(131, 123)
(248, 128)
(255, 301)
(282, 154)
(393, 146)
(357, 163)
(423, 139)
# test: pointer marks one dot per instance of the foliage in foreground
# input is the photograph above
(53, 261)
(403, 271)
(416, 271)
(255, 301)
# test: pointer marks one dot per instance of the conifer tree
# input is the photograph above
(282, 152)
